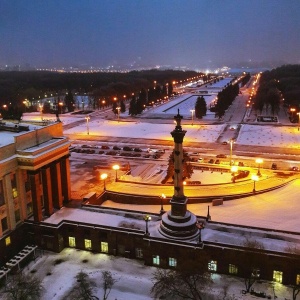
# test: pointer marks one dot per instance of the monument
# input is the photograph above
(178, 223)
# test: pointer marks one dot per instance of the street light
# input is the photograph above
(254, 178)
(60, 104)
(292, 110)
(118, 109)
(103, 177)
(147, 218)
(234, 169)
(162, 197)
(298, 113)
(259, 161)
(200, 226)
(116, 168)
(87, 124)
(192, 111)
(231, 142)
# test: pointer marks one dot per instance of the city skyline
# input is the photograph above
(135, 33)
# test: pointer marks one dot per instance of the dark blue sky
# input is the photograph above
(156, 32)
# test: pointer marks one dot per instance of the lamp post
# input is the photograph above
(61, 105)
(259, 161)
(103, 177)
(162, 197)
(116, 168)
(292, 110)
(192, 111)
(234, 169)
(231, 141)
(298, 113)
(87, 124)
(254, 178)
(147, 218)
(200, 226)
(118, 109)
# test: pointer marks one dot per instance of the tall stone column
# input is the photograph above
(47, 190)
(66, 178)
(34, 177)
(178, 223)
(56, 185)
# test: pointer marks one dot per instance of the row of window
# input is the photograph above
(172, 262)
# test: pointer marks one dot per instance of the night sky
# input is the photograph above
(153, 32)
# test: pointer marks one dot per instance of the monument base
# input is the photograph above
(179, 227)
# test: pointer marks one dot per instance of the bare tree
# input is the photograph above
(185, 285)
(83, 289)
(23, 287)
(108, 282)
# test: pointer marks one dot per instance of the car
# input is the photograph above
(224, 143)
(221, 156)
(104, 147)
(211, 161)
(137, 150)
(200, 159)
(217, 161)
(274, 166)
(116, 148)
(294, 168)
(126, 148)
(240, 164)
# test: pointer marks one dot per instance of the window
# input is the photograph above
(17, 215)
(104, 247)
(298, 279)
(233, 269)
(139, 252)
(172, 262)
(2, 201)
(13, 180)
(7, 241)
(88, 244)
(212, 266)
(156, 260)
(4, 224)
(72, 242)
(277, 276)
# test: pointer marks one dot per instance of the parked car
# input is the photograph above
(211, 161)
(224, 143)
(221, 156)
(240, 164)
(116, 148)
(126, 148)
(200, 159)
(104, 147)
(294, 168)
(137, 150)
(217, 161)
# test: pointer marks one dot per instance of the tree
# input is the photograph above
(187, 167)
(122, 106)
(132, 106)
(69, 100)
(200, 107)
(83, 289)
(182, 284)
(24, 287)
(108, 282)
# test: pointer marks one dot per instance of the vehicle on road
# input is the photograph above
(221, 156)
(274, 166)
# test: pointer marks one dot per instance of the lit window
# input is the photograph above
(88, 244)
(156, 260)
(139, 252)
(172, 262)
(233, 269)
(72, 242)
(298, 279)
(104, 247)
(7, 241)
(277, 276)
(212, 266)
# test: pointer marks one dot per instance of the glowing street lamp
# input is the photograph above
(259, 161)
(234, 169)
(61, 105)
(231, 142)
(292, 110)
(298, 113)
(103, 177)
(254, 178)
(147, 218)
(87, 124)
(116, 168)
(192, 111)
(118, 109)
(162, 197)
